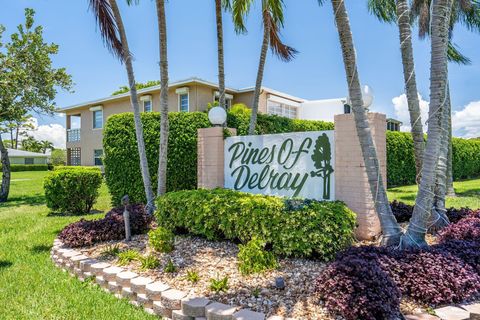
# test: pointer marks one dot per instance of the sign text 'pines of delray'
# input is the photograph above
(295, 165)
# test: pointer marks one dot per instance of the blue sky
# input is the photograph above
(316, 73)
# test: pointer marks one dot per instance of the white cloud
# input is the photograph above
(54, 133)
(466, 122)
(400, 105)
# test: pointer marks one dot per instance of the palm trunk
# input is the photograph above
(162, 161)
(406, 48)
(5, 189)
(415, 234)
(438, 218)
(258, 83)
(450, 189)
(391, 230)
(12, 142)
(221, 63)
(147, 183)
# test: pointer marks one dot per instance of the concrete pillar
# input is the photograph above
(351, 182)
(210, 158)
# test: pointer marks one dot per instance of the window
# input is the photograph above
(98, 157)
(74, 156)
(347, 109)
(183, 102)
(97, 119)
(29, 160)
(147, 105)
(280, 109)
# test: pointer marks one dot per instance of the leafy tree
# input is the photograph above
(273, 21)
(28, 81)
(138, 86)
(58, 157)
(46, 145)
(16, 128)
(113, 32)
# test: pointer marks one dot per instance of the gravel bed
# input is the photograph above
(215, 260)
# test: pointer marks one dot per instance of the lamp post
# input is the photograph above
(367, 97)
(217, 116)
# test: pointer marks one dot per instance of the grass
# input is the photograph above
(467, 194)
(31, 287)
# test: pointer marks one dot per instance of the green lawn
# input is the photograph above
(468, 194)
(31, 287)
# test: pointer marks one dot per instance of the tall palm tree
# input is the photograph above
(391, 230)
(219, 5)
(162, 161)
(415, 234)
(273, 21)
(113, 32)
(398, 10)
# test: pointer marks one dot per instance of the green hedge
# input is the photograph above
(72, 190)
(27, 167)
(122, 169)
(121, 160)
(291, 227)
(401, 161)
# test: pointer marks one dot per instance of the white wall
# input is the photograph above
(321, 109)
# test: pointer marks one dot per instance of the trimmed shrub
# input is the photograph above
(112, 227)
(308, 228)
(161, 240)
(356, 288)
(121, 160)
(466, 229)
(27, 167)
(72, 190)
(401, 161)
(253, 258)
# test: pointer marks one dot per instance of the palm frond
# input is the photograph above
(240, 10)
(454, 55)
(275, 7)
(108, 27)
(384, 10)
(131, 2)
(281, 50)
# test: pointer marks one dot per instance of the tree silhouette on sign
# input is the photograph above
(322, 155)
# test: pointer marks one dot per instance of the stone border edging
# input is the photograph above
(159, 299)
(155, 297)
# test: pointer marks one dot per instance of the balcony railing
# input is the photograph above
(73, 135)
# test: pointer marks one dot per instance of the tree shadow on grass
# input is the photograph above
(33, 200)
(63, 214)
(5, 264)
(41, 248)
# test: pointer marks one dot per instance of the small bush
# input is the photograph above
(148, 262)
(467, 251)
(356, 288)
(72, 190)
(403, 212)
(112, 227)
(310, 228)
(111, 251)
(27, 167)
(219, 285)
(170, 267)
(252, 258)
(466, 229)
(161, 240)
(192, 276)
(128, 256)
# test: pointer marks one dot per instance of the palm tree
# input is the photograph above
(273, 20)
(389, 11)
(415, 234)
(162, 161)
(391, 230)
(45, 145)
(219, 4)
(111, 26)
